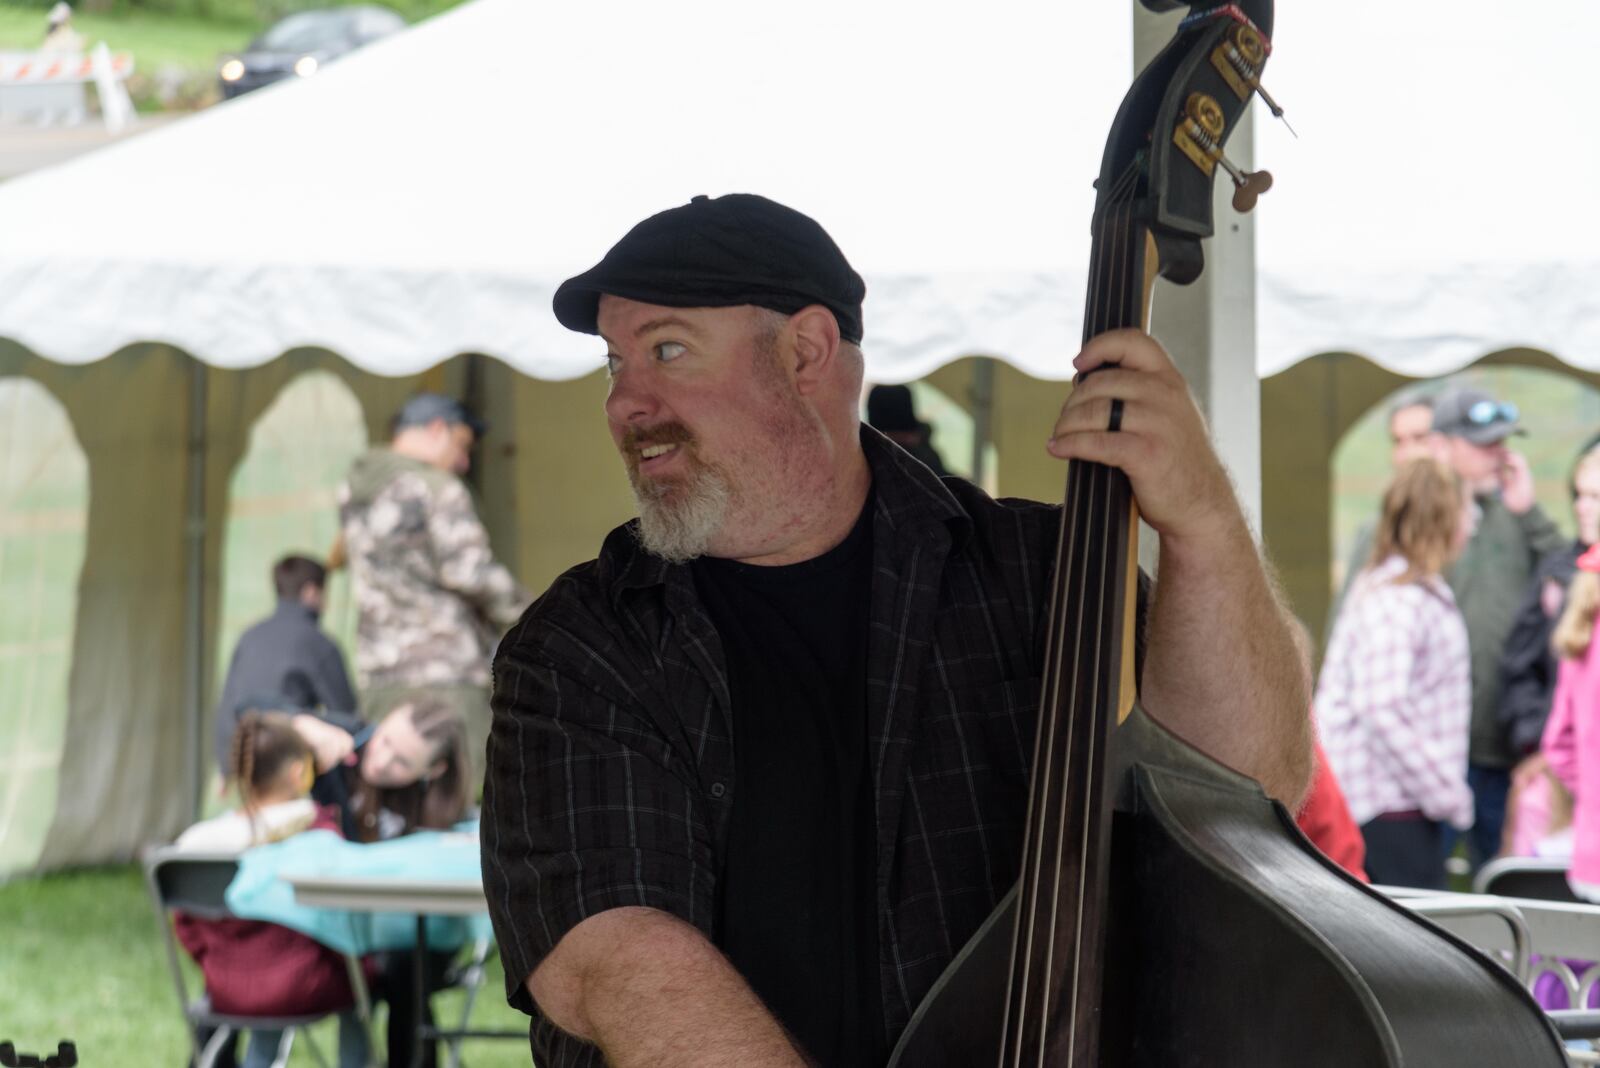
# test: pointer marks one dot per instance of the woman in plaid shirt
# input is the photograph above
(1395, 695)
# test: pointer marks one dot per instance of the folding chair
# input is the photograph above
(1540, 878)
(195, 883)
(467, 974)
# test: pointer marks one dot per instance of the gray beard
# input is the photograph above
(680, 529)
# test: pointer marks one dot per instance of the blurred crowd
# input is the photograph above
(1458, 693)
(300, 748)
(1456, 706)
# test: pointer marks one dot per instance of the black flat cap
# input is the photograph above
(718, 253)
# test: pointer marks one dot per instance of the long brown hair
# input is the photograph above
(264, 744)
(1575, 629)
(1421, 514)
(430, 803)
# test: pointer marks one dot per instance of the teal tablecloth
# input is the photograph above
(259, 891)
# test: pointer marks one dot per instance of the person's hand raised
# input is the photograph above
(329, 744)
(1516, 483)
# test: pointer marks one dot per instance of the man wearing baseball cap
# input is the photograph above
(431, 598)
(759, 770)
(1489, 580)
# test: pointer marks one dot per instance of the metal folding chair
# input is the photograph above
(1540, 878)
(195, 884)
(467, 974)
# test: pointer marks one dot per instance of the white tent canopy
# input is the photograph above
(424, 197)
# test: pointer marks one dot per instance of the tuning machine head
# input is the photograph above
(1199, 136)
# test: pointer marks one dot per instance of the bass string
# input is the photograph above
(1044, 755)
(1102, 299)
(1090, 722)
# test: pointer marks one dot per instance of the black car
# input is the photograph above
(303, 43)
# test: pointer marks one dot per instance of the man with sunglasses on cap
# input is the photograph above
(1489, 580)
(759, 771)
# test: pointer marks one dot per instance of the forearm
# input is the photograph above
(1224, 670)
(649, 990)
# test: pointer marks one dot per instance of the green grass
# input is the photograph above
(81, 958)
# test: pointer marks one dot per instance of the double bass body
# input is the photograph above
(1233, 943)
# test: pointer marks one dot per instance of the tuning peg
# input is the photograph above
(1240, 59)
(1272, 105)
(1199, 136)
(1248, 188)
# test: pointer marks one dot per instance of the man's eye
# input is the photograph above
(613, 363)
(669, 350)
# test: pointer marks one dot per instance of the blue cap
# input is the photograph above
(423, 408)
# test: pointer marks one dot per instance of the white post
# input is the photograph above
(116, 107)
(1210, 325)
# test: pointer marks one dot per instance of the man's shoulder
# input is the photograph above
(1003, 520)
(311, 638)
(381, 474)
(268, 629)
(430, 483)
(585, 609)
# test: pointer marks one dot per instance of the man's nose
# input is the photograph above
(632, 398)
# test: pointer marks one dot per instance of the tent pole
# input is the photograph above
(194, 534)
(982, 415)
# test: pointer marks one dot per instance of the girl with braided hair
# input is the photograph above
(252, 967)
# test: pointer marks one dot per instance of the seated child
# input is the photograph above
(252, 967)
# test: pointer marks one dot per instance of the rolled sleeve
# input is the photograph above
(586, 807)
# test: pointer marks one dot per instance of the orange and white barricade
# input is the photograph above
(49, 88)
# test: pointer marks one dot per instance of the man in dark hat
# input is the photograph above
(1489, 581)
(431, 598)
(890, 413)
(759, 771)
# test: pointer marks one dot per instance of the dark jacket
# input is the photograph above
(285, 661)
(1489, 581)
(1528, 665)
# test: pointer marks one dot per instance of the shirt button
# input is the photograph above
(717, 789)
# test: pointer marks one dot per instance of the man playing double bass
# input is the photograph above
(759, 770)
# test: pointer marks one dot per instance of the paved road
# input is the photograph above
(27, 148)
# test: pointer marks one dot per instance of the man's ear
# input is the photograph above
(816, 346)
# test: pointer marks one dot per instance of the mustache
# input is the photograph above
(636, 440)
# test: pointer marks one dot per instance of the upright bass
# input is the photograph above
(1167, 912)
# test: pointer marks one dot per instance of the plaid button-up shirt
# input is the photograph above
(1394, 699)
(611, 772)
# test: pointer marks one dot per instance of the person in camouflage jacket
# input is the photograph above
(431, 598)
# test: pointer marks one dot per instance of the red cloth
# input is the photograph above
(254, 968)
(1326, 820)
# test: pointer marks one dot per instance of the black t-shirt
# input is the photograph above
(795, 909)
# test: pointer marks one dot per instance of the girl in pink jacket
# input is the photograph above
(1571, 742)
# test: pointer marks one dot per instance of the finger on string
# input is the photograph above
(1115, 448)
(1130, 348)
(1115, 382)
(1094, 414)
